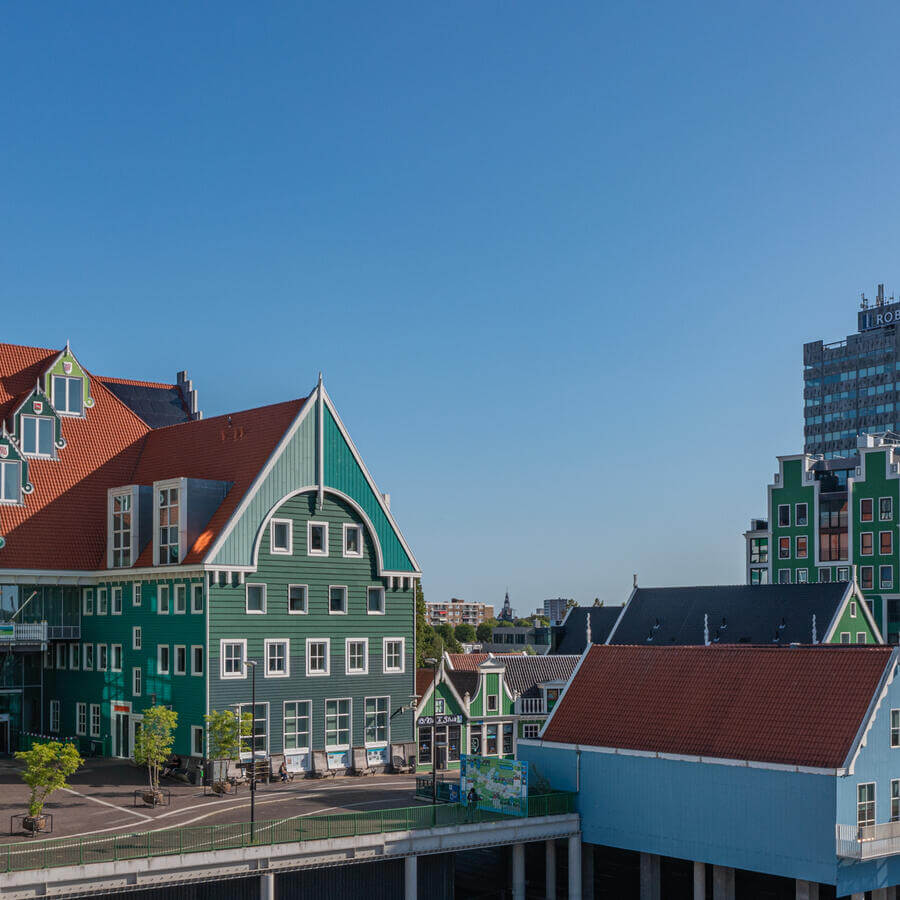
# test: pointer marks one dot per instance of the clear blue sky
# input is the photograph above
(556, 261)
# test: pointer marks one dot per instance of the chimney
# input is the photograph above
(387, 501)
(189, 394)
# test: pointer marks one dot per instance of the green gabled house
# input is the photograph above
(482, 704)
(150, 555)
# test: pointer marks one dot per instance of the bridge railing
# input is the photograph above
(20, 857)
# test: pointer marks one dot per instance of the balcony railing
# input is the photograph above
(63, 632)
(23, 633)
(531, 706)
(869, 841)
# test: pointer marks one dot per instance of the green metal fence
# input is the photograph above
(49, 854)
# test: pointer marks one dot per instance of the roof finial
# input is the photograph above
(588, 629)
(705, 629)
(320, 379)
(814, 635)
(635, 579)
(67, 346)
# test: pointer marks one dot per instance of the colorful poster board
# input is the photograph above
(501, 785)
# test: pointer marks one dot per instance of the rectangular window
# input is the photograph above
(852, 609)
(233, 654)
(281, 536)
(895, 727)
(393, 652)
(256, 598)
(136, 596)
(180, 659)
(375, 601)
(865, 510)
(759, 576)
(337, 724)
(317, 538)
(74, 654)
(102, 602)
(168, 510)
(88, 659)
(784, 515)
(95, 720)
(162, 600)
(802, 576)
(439, 706)
(357, 654)
(376, 720)
(867, 577)
(801, 515)
(860, 637)
(297, 599)
(885, 509)
(337, 599)
(10, 482)
(87, 601)
(801, 546)
(492, 703)
(117, 601)
(162, 659)
(278, 658)
(845, 637)
(296, 725)
(54, 716)
(508, 739)
(843, 573)
(317, 656)
(180, 599)
(116, 661)
(866, 543)
(196, 598)
(784, 548)
(425, 732)
(886, 577)
(759, 550)
(895, 799)
(102, 658)
(67, 395)
(352, 540)
(81, 718)
(784, 576)
(886, 543)
(136, 637)
(136, 679)
(260, 728)
(475, 740)
(824, 576)
(531, 730)
(37, 436)
(121, 529)
(60, 656)
(491, 741)
(197, 740)
(865, 804)
(197, 659)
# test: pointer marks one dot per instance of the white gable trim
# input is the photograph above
(862, 735)
(609, 637)
(561, 697)
(852, 593)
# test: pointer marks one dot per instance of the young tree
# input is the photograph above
(153, 744)
(464, 633)
(445, 633)
(47, 766)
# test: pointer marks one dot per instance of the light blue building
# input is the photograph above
(727, 768)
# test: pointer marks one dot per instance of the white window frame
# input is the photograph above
(277, 551)
(57, 405)
(87, 602)
(87, 657)
(112, 658)
(181, 484)
(309, 718)
(327, 670)
(782, 506)
(530, 730)
(862, 571)
(111, 496)
(162, 592)
(269, 642)
(797, 523)
(492, 707)
(102, 659)
(852, 609)
(197, 589)
(96, 720)
(175, 669)
(180, 591)
(309, 528)
(194, 670)
(81, 719)
(255, 612)
(890, 516)
(114, 593)
(61, 654)
(890, 535)
(346, 609)
(387, 722)
(159, 663)
(242, 673)
(298, 612)
(137, 681)
(802, 576)
(784, 576)
(337, 748)
(797, 539)
(864, 500)
(871, 535)
(884, 584)
(384, 655)
(347, 668)
(845, 634)
(245, 754)
(11, 465)
(137, 638)
(348, 526)
(36, 454)
(439, 706)
(74, 657)
(102, 601)
(874, 803)
(54, 716)
(895, 729)
(136, 594)
(198, 731)
(860, 634)
(376, 612)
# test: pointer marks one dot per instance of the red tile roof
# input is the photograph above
(796, 706)
(62, 524)
(471, 661)
(423, 681)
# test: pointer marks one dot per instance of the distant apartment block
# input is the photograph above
(458, 612)
(555, 609)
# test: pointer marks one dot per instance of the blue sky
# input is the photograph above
(557, 262)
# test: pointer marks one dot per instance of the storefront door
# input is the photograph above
(4, 735)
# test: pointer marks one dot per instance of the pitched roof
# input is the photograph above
(787, 705)
(158, 405)
(737, 614)
(20, 368)
(471, 661)
(525, 673)
(571, 636)
(423, 681)
(464, 680)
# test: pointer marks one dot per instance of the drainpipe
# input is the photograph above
(577, 769)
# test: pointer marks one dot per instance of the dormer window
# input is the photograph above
(121, 529)
(37, 436)
(169, 519)
(10, 481)
(68, 395)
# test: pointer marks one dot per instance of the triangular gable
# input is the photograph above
(37, 403)
(65, 363)
(852, 593)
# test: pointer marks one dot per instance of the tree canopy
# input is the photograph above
(47, 766)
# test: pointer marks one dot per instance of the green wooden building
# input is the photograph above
(150, 555)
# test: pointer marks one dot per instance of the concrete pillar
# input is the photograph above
(587, 871)
(879, 894)
(518, 878)
(267, 886)
(575, 867)
(890, 893)
(861, 896)
(650, 881)
(550, 880)
(723, 883)
(410, 878)
(699, 881)
(801, 891)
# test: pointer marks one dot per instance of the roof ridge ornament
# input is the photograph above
(705, 629)
(815, 639)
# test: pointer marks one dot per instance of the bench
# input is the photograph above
(401, 759)
(320, 767)
(360, 762)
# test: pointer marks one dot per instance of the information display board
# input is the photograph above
(501, 785)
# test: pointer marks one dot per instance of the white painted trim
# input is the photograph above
(346, 553)
(194, 671)
(356, 640)
(137, 681)
(305, 610)
(174, 660)
(265, 600)
(310, 524)
(346, 609)
(319, 674)
(384, 668)
(112, 658)
(241, 674)
(162, 590)
(159, 667)
(383, 610)
(562, 694)
(183, 588)
(309, 718)
(194, 610)
(37, 455)
(194, 730)
(290, 541)
(267, 642)
(337, 748)
(137, 638)
(387, 722)
(181, 484)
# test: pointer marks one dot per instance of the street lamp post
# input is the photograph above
(252, 664)
(431, 661)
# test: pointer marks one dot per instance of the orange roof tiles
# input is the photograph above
(424, 678)
(795, 706)
(470, 661)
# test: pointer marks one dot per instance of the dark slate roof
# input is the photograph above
(463, 681)
(788, 705)
(750, 614)
(525, 673)
(158, 405)
(571, 636)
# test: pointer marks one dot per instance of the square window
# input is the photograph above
(196, 598)
(784, 576)
(337, 599)
(180, 659)
(281, 538)
(865, 510)
(843, 573)
(297, 599)
(885, 509)
(802, 576)
(180, 599)
(357, 653)
(845, 637)
(278, 660)
(860, 637)
(317, 656)
(10, 481)
(256, 598)
(393, 654)
(824, 576)
(317, 538)
(375, 601)
(233, 654)
(162, 659)
(162, 600)
(352, 540)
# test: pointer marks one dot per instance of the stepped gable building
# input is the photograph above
(583, 625)
(760, 762)
(147, 554)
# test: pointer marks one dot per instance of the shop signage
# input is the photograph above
(438, 720)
